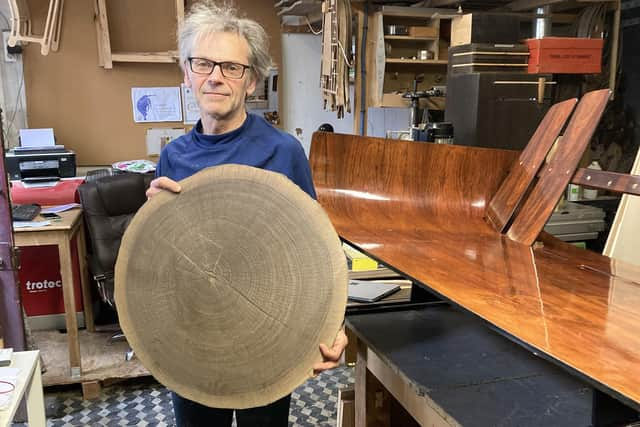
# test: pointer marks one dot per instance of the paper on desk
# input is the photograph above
(37, 138)
(9, 375)
(40, 184)
(28, 224)
(60, 208)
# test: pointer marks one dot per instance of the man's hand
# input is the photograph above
(162, 184)
(331, 356)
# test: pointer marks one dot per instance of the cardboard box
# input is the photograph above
(432, 32)
(485, 28)
(565, 55)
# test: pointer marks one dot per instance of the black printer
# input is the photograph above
(40, 163)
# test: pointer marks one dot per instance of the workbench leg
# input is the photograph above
(68, 293)
(84, 279)
(372, 401)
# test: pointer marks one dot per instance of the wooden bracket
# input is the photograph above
(21, 28)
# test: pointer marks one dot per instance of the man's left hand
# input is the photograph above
(331, 356)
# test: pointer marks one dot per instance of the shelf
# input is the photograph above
(416, 61)
(412, 12)
(156, 57)
(410, 38)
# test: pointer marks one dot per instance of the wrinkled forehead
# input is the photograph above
(221, 46)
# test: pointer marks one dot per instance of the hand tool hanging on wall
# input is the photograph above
(336, 42)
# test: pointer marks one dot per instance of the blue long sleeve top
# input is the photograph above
(256, 143)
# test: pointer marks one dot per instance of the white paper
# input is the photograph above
(190, 106)
(39, 184)
(30, 224)
(37, 138)
(157, 138)
(9, 375)
(60, 208)
(156, 104)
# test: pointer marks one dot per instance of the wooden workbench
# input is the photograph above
(61, 233)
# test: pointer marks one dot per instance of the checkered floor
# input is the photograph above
(149, 404)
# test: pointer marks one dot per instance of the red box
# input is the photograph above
(565, 55)
(40, 281)
(60, 194)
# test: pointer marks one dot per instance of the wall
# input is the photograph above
(90, 107)
(302, 110)
(12, 94)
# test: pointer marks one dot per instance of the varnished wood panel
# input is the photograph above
(523, 172)
(419, 207)
(611, 181)
(554, 177)
(417, 183)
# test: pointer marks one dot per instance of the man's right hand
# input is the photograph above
(162, 184)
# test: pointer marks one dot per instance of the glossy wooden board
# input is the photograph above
(419, 208)
(522, 173)
(554, 177)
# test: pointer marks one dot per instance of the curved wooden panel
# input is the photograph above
(409, 184)
(504, 202)
(419, 208)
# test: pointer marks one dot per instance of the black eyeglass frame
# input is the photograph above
(219, 64)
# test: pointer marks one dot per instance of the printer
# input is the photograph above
(35, 164)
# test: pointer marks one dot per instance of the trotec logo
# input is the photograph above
(44, 285)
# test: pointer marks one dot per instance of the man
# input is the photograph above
(223, 58)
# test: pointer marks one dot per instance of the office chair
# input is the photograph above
(109, 203)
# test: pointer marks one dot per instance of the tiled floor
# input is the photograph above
(149, 404)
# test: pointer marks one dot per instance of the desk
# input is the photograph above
(29, 382)
(61, 233)
(446, 368)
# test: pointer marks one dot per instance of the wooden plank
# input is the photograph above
(157, 57)
(540, 202)
(611, 181)
(180, 12)
(511, 192)
(103, 36)
(91, 390)
(57, 29)
(96, 21)
(615, 45)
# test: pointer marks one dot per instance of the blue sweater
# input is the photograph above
(256, 143)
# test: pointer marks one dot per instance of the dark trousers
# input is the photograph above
(193, 414)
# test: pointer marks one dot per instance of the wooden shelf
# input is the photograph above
(416, 61)
(106, 57)
(413, 12)
(156, 57)
(410, 38)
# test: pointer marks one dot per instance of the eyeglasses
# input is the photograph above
(230, 70)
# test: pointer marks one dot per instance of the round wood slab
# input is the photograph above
(226, 289)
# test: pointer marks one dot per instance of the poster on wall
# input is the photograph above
(156, 104)
(189, 106)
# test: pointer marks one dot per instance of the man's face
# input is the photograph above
(219, 97)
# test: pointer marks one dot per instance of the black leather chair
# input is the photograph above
(109, 203)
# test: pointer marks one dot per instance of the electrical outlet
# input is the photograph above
(8, 57)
